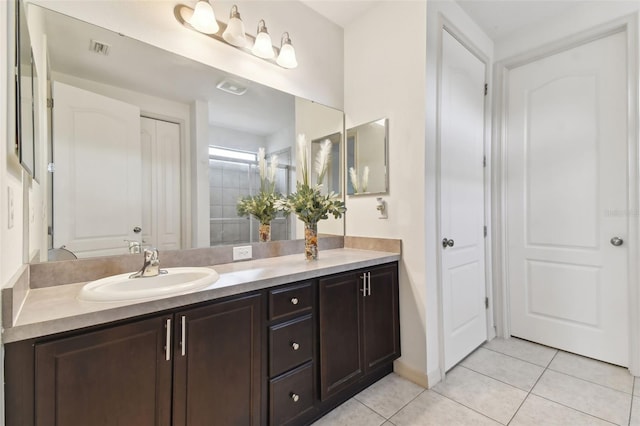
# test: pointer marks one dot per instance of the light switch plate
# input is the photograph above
(242, 253)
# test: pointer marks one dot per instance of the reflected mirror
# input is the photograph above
(154, 149)
(367, 165)
(332, 181)
(26, 95)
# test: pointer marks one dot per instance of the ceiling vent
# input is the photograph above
(99, 47)
(232, 87)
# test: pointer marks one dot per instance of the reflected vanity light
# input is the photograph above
(235, 34)
(202, 20)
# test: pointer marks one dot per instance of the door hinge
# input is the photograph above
(49, 102)
(486, 89)
(485, 231)
(484, 161)
(486, 303)
(51, 168)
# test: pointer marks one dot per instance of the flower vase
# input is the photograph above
(264, 232)
(311, 241)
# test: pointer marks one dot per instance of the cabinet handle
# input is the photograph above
(295, 346)
(368, 283)
(167, 343)
(294, 300)
(183, 340)
(364, 284)
(295, 397)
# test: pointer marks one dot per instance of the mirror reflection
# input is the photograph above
(153, 149)
(26, 96)
(367, 147)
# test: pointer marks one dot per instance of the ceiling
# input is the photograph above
(340, 12)
(500, 18)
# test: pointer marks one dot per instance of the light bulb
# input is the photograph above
(287, 56)
(262, 47)
(203, 18)
(235, 34)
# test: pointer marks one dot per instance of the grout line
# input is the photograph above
(523, 360)
(591, 381)
(574, 409)
(633, 388)
(531, 390)
(502, 381)
(467, 407)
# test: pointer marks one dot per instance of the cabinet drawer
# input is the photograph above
(290, 300)
(291, 395)
(290, 344)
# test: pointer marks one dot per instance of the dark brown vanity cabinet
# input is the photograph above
(292, 348)
(200, 366)
(359, 326)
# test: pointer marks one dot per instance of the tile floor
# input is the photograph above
(504, 382)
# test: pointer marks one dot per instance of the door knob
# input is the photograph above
(447, 243)
(615, 241)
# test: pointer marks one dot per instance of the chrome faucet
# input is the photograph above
(134, 246)
(151, 266)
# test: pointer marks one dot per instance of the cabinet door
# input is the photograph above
(341, 358)
(217, 375)
(380, 318)
(117, 376)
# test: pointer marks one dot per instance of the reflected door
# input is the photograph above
(96, 184)
(567, 198)
(462, 200)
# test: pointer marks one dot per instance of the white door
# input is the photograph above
(567, 198)
(96, 184)
(161, 203)
(462, 200)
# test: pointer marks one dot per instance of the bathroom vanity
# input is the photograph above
(275, 341)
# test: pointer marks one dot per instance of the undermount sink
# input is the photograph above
(173, 282)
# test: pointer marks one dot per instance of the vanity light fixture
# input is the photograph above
(287, 56)
(234, 34)
(262, 47)
(202, 19)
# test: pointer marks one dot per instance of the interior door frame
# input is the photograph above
(628, 25)
(446, 25)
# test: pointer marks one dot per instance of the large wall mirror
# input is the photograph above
(153, 148)
(367, 165)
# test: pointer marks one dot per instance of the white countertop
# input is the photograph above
(57, 309)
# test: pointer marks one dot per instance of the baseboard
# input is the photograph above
(411, 374)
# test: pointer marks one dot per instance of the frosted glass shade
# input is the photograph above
(287, 56)
(235, 34)
(203, 19)
(262, 48)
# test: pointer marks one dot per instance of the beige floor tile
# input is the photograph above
(351, 413)
(431, 409)
(538, 411)
(636, 386)
(522, 349)
(635, 412)
(513, 371)
(590, 398)
(481, 393)
(387, 396)
(594, 371)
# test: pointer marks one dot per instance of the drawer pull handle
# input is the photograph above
(295, 397)
(295, 346)
(294, 300)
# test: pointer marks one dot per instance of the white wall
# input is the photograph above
(235, 139)
(385, 77)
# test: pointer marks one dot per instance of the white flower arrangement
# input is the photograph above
(359, 185)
